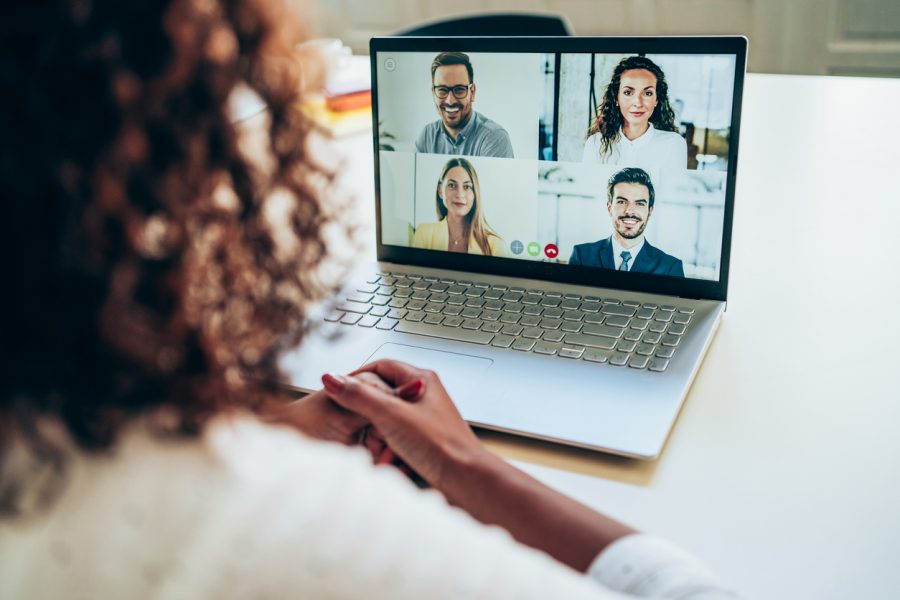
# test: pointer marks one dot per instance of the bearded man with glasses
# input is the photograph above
(460, 129)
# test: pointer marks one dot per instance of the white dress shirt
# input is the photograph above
(651, 151)
(618, 249)
(251, 510)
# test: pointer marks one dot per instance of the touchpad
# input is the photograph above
(458, 372)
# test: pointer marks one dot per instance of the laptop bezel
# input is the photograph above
(595, 277)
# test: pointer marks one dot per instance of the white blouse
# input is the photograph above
(251, 510)
(653, 150)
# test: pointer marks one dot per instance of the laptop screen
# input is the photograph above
(604, 160)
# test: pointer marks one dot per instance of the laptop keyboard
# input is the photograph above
(571, 326)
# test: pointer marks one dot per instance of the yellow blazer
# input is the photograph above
(436, 236)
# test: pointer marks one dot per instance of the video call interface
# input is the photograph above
(611, 161)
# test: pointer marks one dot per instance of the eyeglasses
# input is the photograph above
(459, 91)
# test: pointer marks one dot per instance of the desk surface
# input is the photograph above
(783, 470)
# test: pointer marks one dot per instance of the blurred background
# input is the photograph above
(814, 37)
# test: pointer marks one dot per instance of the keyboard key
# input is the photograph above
(421, 295)
(658, 364)
(509, 318)
(573, 315)
(493, 305)
(511, 297)
(492, 327)
(667, 308)
(471, 313)
(471, 324)
(626, 346)
(452, 321)
(549, 301)
(630, 303)
(456, 290)
(554, 336)
(500, 287)
(594, 318)
(415, 315)
(511, 329)
(380, 300)
(657, 327)
(373, 279)
(571, 327)
(452, 311)
(536, 291)
(474, 293)
(513, 307)
(548, 323)
(387, 290)
(638, 362)
(433, 319)
(571, 352)
(616, 309)
(591, 307)
(546, 348)
(367, 289)
(603, 331)
(491, 315)
(572, 296)
(608, 301)
(665, 352)
(354, 307)
(482, 285)
(450, 333)
(596, 355)
(350, 318)
(639, 324)
(553, 313)
(440, 298)
(368, 321)
(439, 287)
(334, 316)
(492, 295)
(617, 321)
(644, 349)
(456, 300)
(651, 337)
(398, 303)
(397, 313)
(670, 340)
(682, 319)
(663, 317)
(523, 344)
(619, 359)
(632, 335)
(650, 305)
(532, 332)
(420, 285)
(403, 293)
(676, 329)
(592, 299)
(379, 311)
(503, 341)
(475, 302)
(531, 299)
(530, 321)
(686, 310)
(532, 310)
(416, 305)
(645, 313)
(591, 341)
(570, 304)
(434, 307)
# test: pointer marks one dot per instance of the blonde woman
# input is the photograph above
(461, 225)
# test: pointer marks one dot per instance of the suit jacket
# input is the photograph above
(649, 260)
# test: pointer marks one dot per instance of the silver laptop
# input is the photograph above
(553, 228)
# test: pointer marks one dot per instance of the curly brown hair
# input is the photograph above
(151, 266)
(608, 121)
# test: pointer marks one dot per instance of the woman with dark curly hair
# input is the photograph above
(158, 259)
(635, 124)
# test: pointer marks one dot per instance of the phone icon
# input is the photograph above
(551, 251)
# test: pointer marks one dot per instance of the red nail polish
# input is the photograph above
(411, 390)
(332, 383)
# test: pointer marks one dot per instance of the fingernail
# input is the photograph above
(411, 390)
(386, 457)
(333, 383)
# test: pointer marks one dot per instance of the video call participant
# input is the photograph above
(461, 129)
(461, 225)
(635, 124)
(630, 198)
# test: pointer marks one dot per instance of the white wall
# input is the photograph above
(509, 90)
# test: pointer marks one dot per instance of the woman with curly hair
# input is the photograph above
(158, 259)
(635, 124)
(461, 225)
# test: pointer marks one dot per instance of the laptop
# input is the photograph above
(554, 222)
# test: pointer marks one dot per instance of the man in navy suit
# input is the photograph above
(629, 201)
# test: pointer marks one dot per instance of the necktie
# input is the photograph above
(626, 256)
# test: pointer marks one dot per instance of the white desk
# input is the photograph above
(783, 471)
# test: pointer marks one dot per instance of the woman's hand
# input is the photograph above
(417, 420)
(319, 417)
